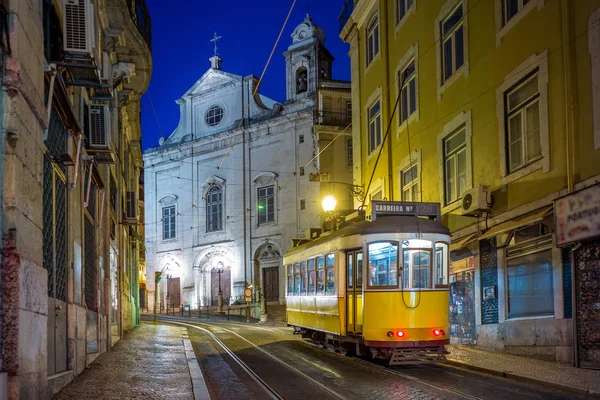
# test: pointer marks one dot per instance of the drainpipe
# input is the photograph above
(387, 93)
(569, 87)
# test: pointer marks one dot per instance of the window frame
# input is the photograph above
(207, 205)
(374, 121)
(535, 62)
(174, 222)
(319, 269)
(333, 291)
(415, 182)
(211, 114)
(445, 12)
(349, 152)
(406, 86)
(453, 156)
(258, 199)
(373, 39)
(451, 36)
(504, 26)
(401, 18)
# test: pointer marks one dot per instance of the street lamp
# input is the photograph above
(329, 202)
(220, 294)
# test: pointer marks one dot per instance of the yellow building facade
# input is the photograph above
(489, 108)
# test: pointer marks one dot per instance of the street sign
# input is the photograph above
(413, 209)
(248, 294)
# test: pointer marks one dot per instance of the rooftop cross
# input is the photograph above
(214, 40)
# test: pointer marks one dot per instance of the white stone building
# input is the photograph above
(229, 189)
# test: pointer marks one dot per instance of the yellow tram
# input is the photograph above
(347, 290)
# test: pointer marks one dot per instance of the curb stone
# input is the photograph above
(198, 384)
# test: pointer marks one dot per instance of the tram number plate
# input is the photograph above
(418, 235)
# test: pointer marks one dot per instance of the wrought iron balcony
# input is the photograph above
(141, 18)
(333, 118)
(346, 12)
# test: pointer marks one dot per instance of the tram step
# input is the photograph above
(422, 355)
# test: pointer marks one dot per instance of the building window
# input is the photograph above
(455, 165)
(522, 107)
(214, 115)
(372, 39)
(511, 8)
(410, 183)
(374, 126)
(302, 204)
(408, 82)
(349, 154)
(378, 195)
(168, 220)
(301, 139)
(301, 171)
(530, 288)
(214, 209)
(266, 204)
(403, 7)
(453, 46)
(349, 112)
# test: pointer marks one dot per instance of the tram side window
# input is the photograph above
(330, 263)
(311, 277)
(297, 279)
(290, 273)
(359, 270)
(350, 266)
(383, 264)
(320, 275)
(441, 263)
(304, 277)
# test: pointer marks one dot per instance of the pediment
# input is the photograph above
(211, 79)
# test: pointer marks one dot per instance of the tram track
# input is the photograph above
(374, 366)
(262, 383)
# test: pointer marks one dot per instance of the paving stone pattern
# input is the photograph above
(149, 363)
(517, 367)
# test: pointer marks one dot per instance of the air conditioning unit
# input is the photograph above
(476, 201)
(99, 126)
(78, 26)
(131, 207)
(106, 69)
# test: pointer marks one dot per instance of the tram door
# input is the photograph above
(354, 293)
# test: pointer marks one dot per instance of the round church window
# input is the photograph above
(214, 115)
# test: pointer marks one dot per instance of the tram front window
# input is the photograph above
(383, 264)
(417, 271)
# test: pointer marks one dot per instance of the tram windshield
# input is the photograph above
(383, 264)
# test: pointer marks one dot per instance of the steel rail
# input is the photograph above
(271, 356)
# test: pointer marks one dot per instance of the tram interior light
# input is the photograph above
(329, 203)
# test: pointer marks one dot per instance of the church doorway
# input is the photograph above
(271, 283)
(220, 277)
(173, 294)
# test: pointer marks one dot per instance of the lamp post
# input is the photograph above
(329, 202)
(220, 294)
(157, 279)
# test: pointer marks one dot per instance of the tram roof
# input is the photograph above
(383, 224)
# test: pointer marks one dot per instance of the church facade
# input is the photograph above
(240, 177)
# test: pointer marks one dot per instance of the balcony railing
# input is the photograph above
(141, 18)
(333, 118)
(346, 12)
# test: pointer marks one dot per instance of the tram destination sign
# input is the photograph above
(413, 209)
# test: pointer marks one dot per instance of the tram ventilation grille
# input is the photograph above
(422, 355)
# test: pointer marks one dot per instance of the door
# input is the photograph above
(462, 304)
(587, 301)
(55, 262)
(271, 283)
(354, 292)
(173, 296)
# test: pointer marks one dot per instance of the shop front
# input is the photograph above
(578, 231)
(462, 300)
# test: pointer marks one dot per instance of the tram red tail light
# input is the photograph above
(438, 332)
(400, 334)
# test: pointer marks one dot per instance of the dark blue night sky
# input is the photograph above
(181, 48)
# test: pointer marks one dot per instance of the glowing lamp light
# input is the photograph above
(400, 334)
(329, 203)
(438, 332)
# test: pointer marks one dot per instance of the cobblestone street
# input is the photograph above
(149, 363)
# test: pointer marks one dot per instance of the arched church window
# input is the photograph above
(301, 80)
(214, 209)
(214, 115)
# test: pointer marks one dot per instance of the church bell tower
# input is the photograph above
(307, 61)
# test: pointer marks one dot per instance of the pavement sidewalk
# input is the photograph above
(150, 362)
(524, 369)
